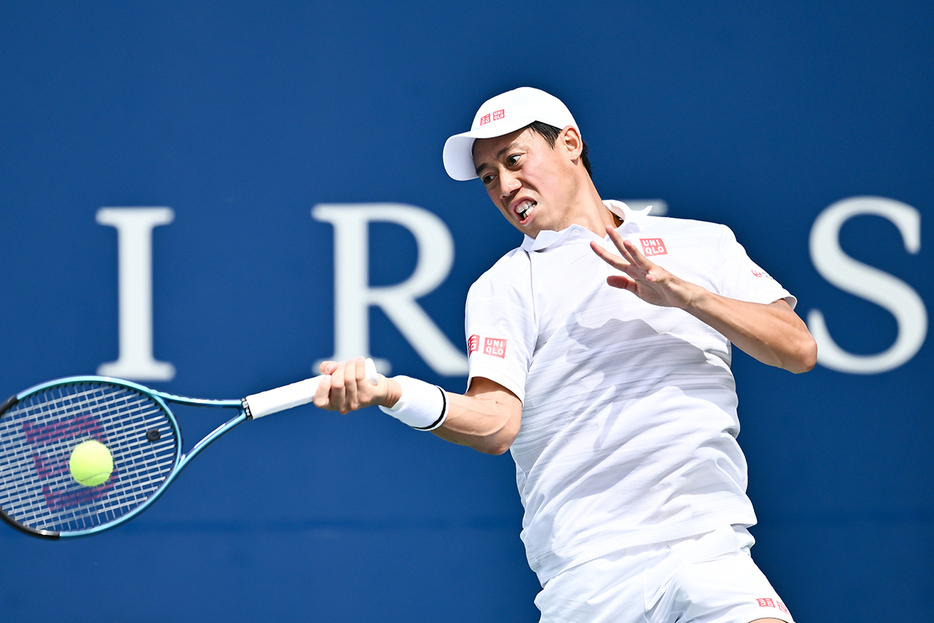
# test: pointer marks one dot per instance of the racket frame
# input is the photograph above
(253, 406)
(182, 458)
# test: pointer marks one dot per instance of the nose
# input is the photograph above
(508, 183)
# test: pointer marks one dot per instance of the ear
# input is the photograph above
(570, 140)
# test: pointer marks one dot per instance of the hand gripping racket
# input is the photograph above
(42, 426)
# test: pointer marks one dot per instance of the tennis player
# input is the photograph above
(600, 358)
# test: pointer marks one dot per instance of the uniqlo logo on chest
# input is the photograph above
(494, 347)
(653, 246)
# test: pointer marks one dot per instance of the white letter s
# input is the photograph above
(869, 283)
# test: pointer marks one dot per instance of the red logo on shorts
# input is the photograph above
(653, 246)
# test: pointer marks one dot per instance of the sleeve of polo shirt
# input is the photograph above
(499, 324)
(743, 279)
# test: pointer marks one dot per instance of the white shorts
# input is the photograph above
(704, 579)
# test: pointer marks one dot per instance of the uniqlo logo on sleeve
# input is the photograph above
(653, 246)
(473, 344)
(758, 272)
(494, 347)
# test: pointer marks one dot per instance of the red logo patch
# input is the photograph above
(495, 347)
(499, 114)
(485, 119)
(653, 246)
(491, 346)
(768, 602)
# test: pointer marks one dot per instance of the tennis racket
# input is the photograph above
(41, 427)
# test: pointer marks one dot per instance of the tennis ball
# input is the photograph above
(91, 463)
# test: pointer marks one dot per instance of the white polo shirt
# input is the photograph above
(629, 418)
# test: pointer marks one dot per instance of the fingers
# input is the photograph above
(617, 262)
(630, 261)
(344, 387)
(630, 251)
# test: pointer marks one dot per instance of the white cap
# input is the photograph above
(505, 113)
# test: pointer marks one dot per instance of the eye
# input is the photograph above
(512, 160)
(487, 179)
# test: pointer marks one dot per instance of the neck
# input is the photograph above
(594, 215)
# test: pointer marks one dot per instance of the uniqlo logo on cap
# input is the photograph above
(499, 114)
(495, 347)
(653, 246)
(766, 602)
(485, 119)
(473, 344)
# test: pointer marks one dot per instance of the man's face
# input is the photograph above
(531, 182)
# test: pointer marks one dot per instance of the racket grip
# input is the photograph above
(294, 395)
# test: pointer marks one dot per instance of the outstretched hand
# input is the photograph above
(772, 333)
(650, 282)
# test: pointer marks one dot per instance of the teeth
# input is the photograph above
(525, 208)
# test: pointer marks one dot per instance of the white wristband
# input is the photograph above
(422, 406)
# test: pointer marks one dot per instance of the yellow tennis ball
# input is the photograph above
(91, 463)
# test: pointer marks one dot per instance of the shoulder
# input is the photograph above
(509, 271)
(686, 226)
(508, 279)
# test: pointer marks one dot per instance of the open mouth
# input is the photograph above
(524, 209)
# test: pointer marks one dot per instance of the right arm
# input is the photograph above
(486, 418)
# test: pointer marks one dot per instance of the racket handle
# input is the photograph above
(294, 395)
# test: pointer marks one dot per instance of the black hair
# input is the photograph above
(550, 133)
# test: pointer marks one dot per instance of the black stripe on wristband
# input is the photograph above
(442, 417)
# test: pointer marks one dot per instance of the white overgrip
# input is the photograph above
(293, 395)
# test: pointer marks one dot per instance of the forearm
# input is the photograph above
(771, 333)
(486, 418)
(487, 423)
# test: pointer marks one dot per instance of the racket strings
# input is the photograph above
(38, 435)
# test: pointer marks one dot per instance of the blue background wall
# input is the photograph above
(242, 116)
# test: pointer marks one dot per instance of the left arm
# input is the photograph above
(772, 333)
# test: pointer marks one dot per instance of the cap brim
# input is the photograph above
(458, 157)
(458, 150)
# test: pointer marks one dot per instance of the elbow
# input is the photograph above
(494, 441)
(806, 356)
(497, 443)
(496, 449)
